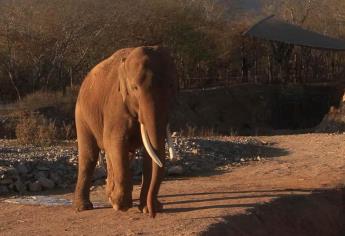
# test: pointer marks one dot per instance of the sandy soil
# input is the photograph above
(298, 192)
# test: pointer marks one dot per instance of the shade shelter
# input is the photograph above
(283, 38)
(274, 29)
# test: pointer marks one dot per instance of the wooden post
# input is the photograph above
(244, 71)
(255, 62)
(269, 69)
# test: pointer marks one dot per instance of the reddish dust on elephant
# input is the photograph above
(124, 103)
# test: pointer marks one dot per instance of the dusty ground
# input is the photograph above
(299, 186)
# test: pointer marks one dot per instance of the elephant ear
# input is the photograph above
(123, 79)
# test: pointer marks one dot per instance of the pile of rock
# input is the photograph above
(29, 168)
(25, 168)
(334, 120)
(201, 155)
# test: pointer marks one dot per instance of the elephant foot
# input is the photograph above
(83, 205)
(158, 207)
(120, 203)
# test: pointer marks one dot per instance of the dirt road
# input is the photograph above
(298, 193)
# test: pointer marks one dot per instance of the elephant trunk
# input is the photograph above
(153, 130)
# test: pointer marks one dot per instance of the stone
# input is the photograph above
(136, 166)
(35, 187)
(46, 183)
(22, 169)
(42, 168)
(8, 171)
(20, 186)
(55, 177)
(100, 173)
(6, 180)
(40, 174)
(195, 168)
(195, 151)
(174, 134)
(4, 190)
(242, 160)
(258, 158)
(11, 186)
(99, 182)
(176, 170)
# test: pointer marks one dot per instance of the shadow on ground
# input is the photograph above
(320, 213)
(250, 147)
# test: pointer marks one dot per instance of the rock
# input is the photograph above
(35, 187)
(258, 158)
(195, 151)
(40, 174)
(136, 166)
(42, 168)
(99, 182)
(195, 168)
(55, 177)
(20, 186)
(137, 177)
(100, 173)
(22, 169)
(176, 170)
(6, 181)
(3, 190)
(11, 186)
(8, 171)
(46, 183)
(242, 160)
(174, 134)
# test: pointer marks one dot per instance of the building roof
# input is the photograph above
(274, 29)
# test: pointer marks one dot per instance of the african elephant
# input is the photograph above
(124, 103)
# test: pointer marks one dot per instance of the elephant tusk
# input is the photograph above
(149, 147)
(172, 153)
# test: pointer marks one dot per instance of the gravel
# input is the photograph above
(32, 169)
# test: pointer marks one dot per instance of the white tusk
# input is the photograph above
(149, 147)
(172, 153)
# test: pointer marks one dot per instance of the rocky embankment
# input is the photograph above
(26, 169)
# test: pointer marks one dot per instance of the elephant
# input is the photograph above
(124, 104)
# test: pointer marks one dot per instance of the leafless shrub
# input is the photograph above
(194, 131)
(33, 128)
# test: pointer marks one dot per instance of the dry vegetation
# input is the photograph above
(47, 47)
(35, 129)
(51, 45)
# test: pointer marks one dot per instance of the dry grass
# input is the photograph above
(35, 129)
(40, 99)
(45, 117)
(194, 131)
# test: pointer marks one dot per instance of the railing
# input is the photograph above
(205, 82)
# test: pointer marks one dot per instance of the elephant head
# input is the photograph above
(147, 85)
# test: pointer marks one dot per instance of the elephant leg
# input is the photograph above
(119, 180)
(145, 185)
(110, 185)
(88, 155)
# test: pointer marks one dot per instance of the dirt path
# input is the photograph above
(297, 190)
